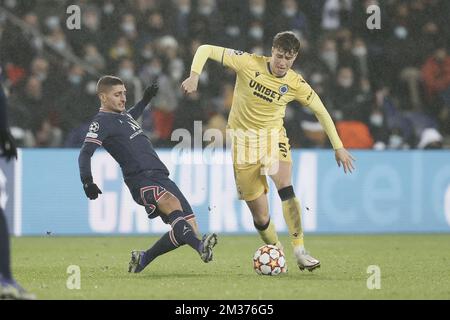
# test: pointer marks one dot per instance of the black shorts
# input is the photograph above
(149, 186)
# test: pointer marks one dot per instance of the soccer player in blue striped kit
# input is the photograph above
(9, 288)
(146, 176)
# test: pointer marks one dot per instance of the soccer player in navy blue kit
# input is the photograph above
(146, 176)
(9, 288)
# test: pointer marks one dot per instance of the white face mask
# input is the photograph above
(395, 141)
(91, 88)
(147, 54)
(257, 10)
(184, 9)
(128, 27)
(52, 22)
(108, 8)
(346, 82)
(126, 74)
(316, 78)
(338, 115)
(41, 76)
(154, 71)
(359, 51)
(11, 3)
(290, 12)
(329, 56)
(256, 33)
(205, 10)
(233, 31)
(60, 45)
(121, 51)
(176, 72)
(401, 32)
(75, 79)
(376, 119)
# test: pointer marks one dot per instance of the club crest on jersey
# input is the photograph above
(283, 89)
(94, 127)
(238, 52)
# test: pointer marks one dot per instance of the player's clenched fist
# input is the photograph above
(150, 92)
(91, 190)
(190, 84)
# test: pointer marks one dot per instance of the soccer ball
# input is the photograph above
(269, 260)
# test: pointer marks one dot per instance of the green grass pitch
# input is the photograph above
(412, 267)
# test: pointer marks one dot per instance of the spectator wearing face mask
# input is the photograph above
(57, 40)
(122, 49)
(72, 107)
(91, 30)
(165, 103)
(330, 15)
(93, 57)
(180, 18)
(292, 18)
(128, 27)
(206, 22)
(255, 32)
(260, 20)
(350, 102)
(329, 54)
(351, 110)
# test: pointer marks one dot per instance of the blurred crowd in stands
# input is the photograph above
(386, 88)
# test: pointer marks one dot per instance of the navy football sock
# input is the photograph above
(182, 230)
(165, 244)
(5, 268)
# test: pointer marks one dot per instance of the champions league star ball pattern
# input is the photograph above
(269, 261)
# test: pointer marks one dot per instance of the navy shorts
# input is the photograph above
(149, 186)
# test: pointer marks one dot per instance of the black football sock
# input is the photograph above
(165, 244)
(182, 230)
(5, 267)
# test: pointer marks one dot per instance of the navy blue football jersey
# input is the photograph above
(123, 138)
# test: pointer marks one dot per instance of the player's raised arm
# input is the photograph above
(203, 53)
(149, 93)
(234, 59)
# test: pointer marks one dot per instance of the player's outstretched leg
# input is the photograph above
(140, 259)
(181, 233)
